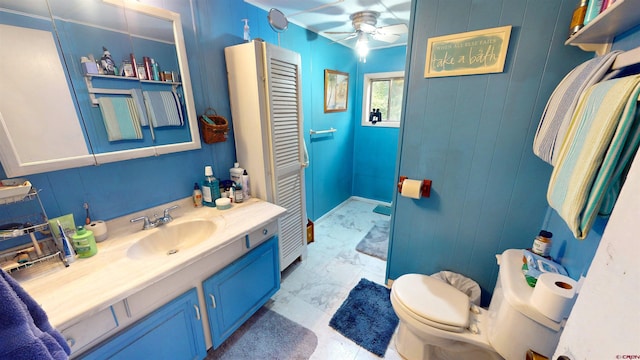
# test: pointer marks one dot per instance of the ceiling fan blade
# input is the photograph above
(349, 37)
(367, 28)
(353, 35)
(386, 37)
(339, 32)
(393, 29)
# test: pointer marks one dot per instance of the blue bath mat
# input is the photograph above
(366, 317)
(382, 209)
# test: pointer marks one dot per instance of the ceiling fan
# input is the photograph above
(364, 23)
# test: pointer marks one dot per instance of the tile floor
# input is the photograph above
(312, 290)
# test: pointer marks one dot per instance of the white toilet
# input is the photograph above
(437, 320)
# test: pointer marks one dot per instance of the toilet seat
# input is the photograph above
(433, 302)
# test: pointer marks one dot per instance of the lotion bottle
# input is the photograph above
(197, 195)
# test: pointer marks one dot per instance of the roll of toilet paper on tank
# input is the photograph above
(411, 189)
(554, 295)
(99, 229)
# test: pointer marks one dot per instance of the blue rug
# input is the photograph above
(376, 242)
(382, 209)
(267, 335)
(366, 317)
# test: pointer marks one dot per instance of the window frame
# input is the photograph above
(366, 97)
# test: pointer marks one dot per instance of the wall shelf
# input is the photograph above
(93, 91)
(599, 33)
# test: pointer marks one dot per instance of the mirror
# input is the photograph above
(278, 20)
(126, 115)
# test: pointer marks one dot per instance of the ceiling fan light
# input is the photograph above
(362, 46)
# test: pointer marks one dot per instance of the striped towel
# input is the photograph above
(562, 103)
(164, 108)
(120, 118)
(139, 101)
(589, 165)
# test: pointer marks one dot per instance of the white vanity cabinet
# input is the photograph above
(190, 310)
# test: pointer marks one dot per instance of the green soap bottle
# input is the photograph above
(84, 242)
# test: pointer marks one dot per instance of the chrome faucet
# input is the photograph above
(157, 221)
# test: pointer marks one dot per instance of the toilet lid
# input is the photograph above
(438, 303)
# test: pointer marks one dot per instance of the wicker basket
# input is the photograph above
(213, 127)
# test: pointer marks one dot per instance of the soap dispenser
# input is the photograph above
(247, 36)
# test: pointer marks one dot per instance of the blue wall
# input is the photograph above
(472, 136)
(375, 147)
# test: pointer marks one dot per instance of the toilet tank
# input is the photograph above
(514, 325)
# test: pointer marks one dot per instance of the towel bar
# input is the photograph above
(314, 132)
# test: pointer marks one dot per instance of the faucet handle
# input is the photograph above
(147, 223)
(167, 210)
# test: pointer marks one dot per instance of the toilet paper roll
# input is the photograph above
(412, 189)
(99, 229)
(554, 295)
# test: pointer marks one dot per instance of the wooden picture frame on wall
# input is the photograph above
(336, 91)
(468, 53)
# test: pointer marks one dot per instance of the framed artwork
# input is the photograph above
(336, 91)
(473, 52)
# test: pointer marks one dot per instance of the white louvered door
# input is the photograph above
(285, 115)
(266, 105)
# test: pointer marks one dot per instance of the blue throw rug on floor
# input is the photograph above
(382, 209)
(366, 317)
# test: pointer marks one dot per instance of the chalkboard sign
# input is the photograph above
(473, 52)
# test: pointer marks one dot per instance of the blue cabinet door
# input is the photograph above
(172, 332)
(239, 290)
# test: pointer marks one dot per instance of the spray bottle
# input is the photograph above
(247, 36)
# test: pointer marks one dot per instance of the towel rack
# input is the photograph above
(626, 58)
(93, 90)
(314, 132)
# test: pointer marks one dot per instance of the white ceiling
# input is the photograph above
(320, 16)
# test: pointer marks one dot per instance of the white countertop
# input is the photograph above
(93, 284)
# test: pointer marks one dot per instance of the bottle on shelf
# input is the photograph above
(155, 70)
(107, 62)
(577, 20)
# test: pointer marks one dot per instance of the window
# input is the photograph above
(382, 99)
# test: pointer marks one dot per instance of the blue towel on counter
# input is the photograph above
(25, 331)
(164, 108)
(596, 152)
(557, 114)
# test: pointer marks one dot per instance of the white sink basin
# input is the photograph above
(169, 239)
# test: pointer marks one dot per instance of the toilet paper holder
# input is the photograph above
(425, 189)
